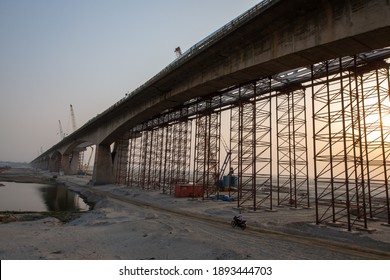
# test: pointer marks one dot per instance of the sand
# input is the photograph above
(134, 224)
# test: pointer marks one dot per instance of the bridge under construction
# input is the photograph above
(319, 132)
(312, 136)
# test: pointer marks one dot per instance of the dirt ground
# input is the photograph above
(133, 224)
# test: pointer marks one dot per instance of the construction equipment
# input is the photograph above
(74, 127)
(219, 176)
(84, 170)
(226, 161)
(178, 52)
(62, 135)
(223, 182)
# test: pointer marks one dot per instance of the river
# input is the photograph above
(39, 198)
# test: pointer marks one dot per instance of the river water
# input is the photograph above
(39, 197)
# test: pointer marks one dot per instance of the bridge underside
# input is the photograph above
(312, 137)
(317, 136)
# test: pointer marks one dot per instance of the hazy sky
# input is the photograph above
(87, 53)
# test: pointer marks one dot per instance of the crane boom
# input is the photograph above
(227, 158)
(74, 127)
(62, 135)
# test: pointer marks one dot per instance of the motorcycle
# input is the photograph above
(238, 221)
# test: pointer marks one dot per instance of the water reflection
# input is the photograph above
(59, 198)
(39, 197)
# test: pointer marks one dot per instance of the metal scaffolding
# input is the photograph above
(350, 107)
(251, 153)
(181, 152)
(262, 148)
(152, 162)
(135, 159)
(351, 146)
(166, 177)
(373, 92)
(80, 167)
(159, 157)
(292, 157)
(130, 169)
(144, 159)
(207, 150)
(121, 156)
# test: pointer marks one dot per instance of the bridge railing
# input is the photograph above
(207, 41)
(195, 49)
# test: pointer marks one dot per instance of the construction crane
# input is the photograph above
(226, 161)
(62, 135)
(178, 52)
(219, 176)
(74, 127)
(85, 169)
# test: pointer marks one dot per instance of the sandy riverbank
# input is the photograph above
(136, 224)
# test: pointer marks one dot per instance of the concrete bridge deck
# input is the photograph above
(335, 52)
(274, 36)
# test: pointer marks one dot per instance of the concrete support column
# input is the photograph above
(74, 164)
(103, 168)
(51, 165)
(55, 163)
(46, 163)
(70, 163)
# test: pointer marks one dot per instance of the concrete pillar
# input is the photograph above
(74, 164)
(46, 164)
(55, 163)
(103, 167)
(70, 163)
(51, 164)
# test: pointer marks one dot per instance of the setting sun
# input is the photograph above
(373, 124)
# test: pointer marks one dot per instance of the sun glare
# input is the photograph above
(373, 124)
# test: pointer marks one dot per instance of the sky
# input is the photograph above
(88, 53)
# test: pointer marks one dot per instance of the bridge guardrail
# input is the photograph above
(201, 45)
(210, 39)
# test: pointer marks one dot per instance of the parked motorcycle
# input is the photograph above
(238, 221)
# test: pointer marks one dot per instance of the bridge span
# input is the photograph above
(300, 90)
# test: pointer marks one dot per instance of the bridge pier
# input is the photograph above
(103, 172)
(55, 162)
(43, 163)
(70, 163)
